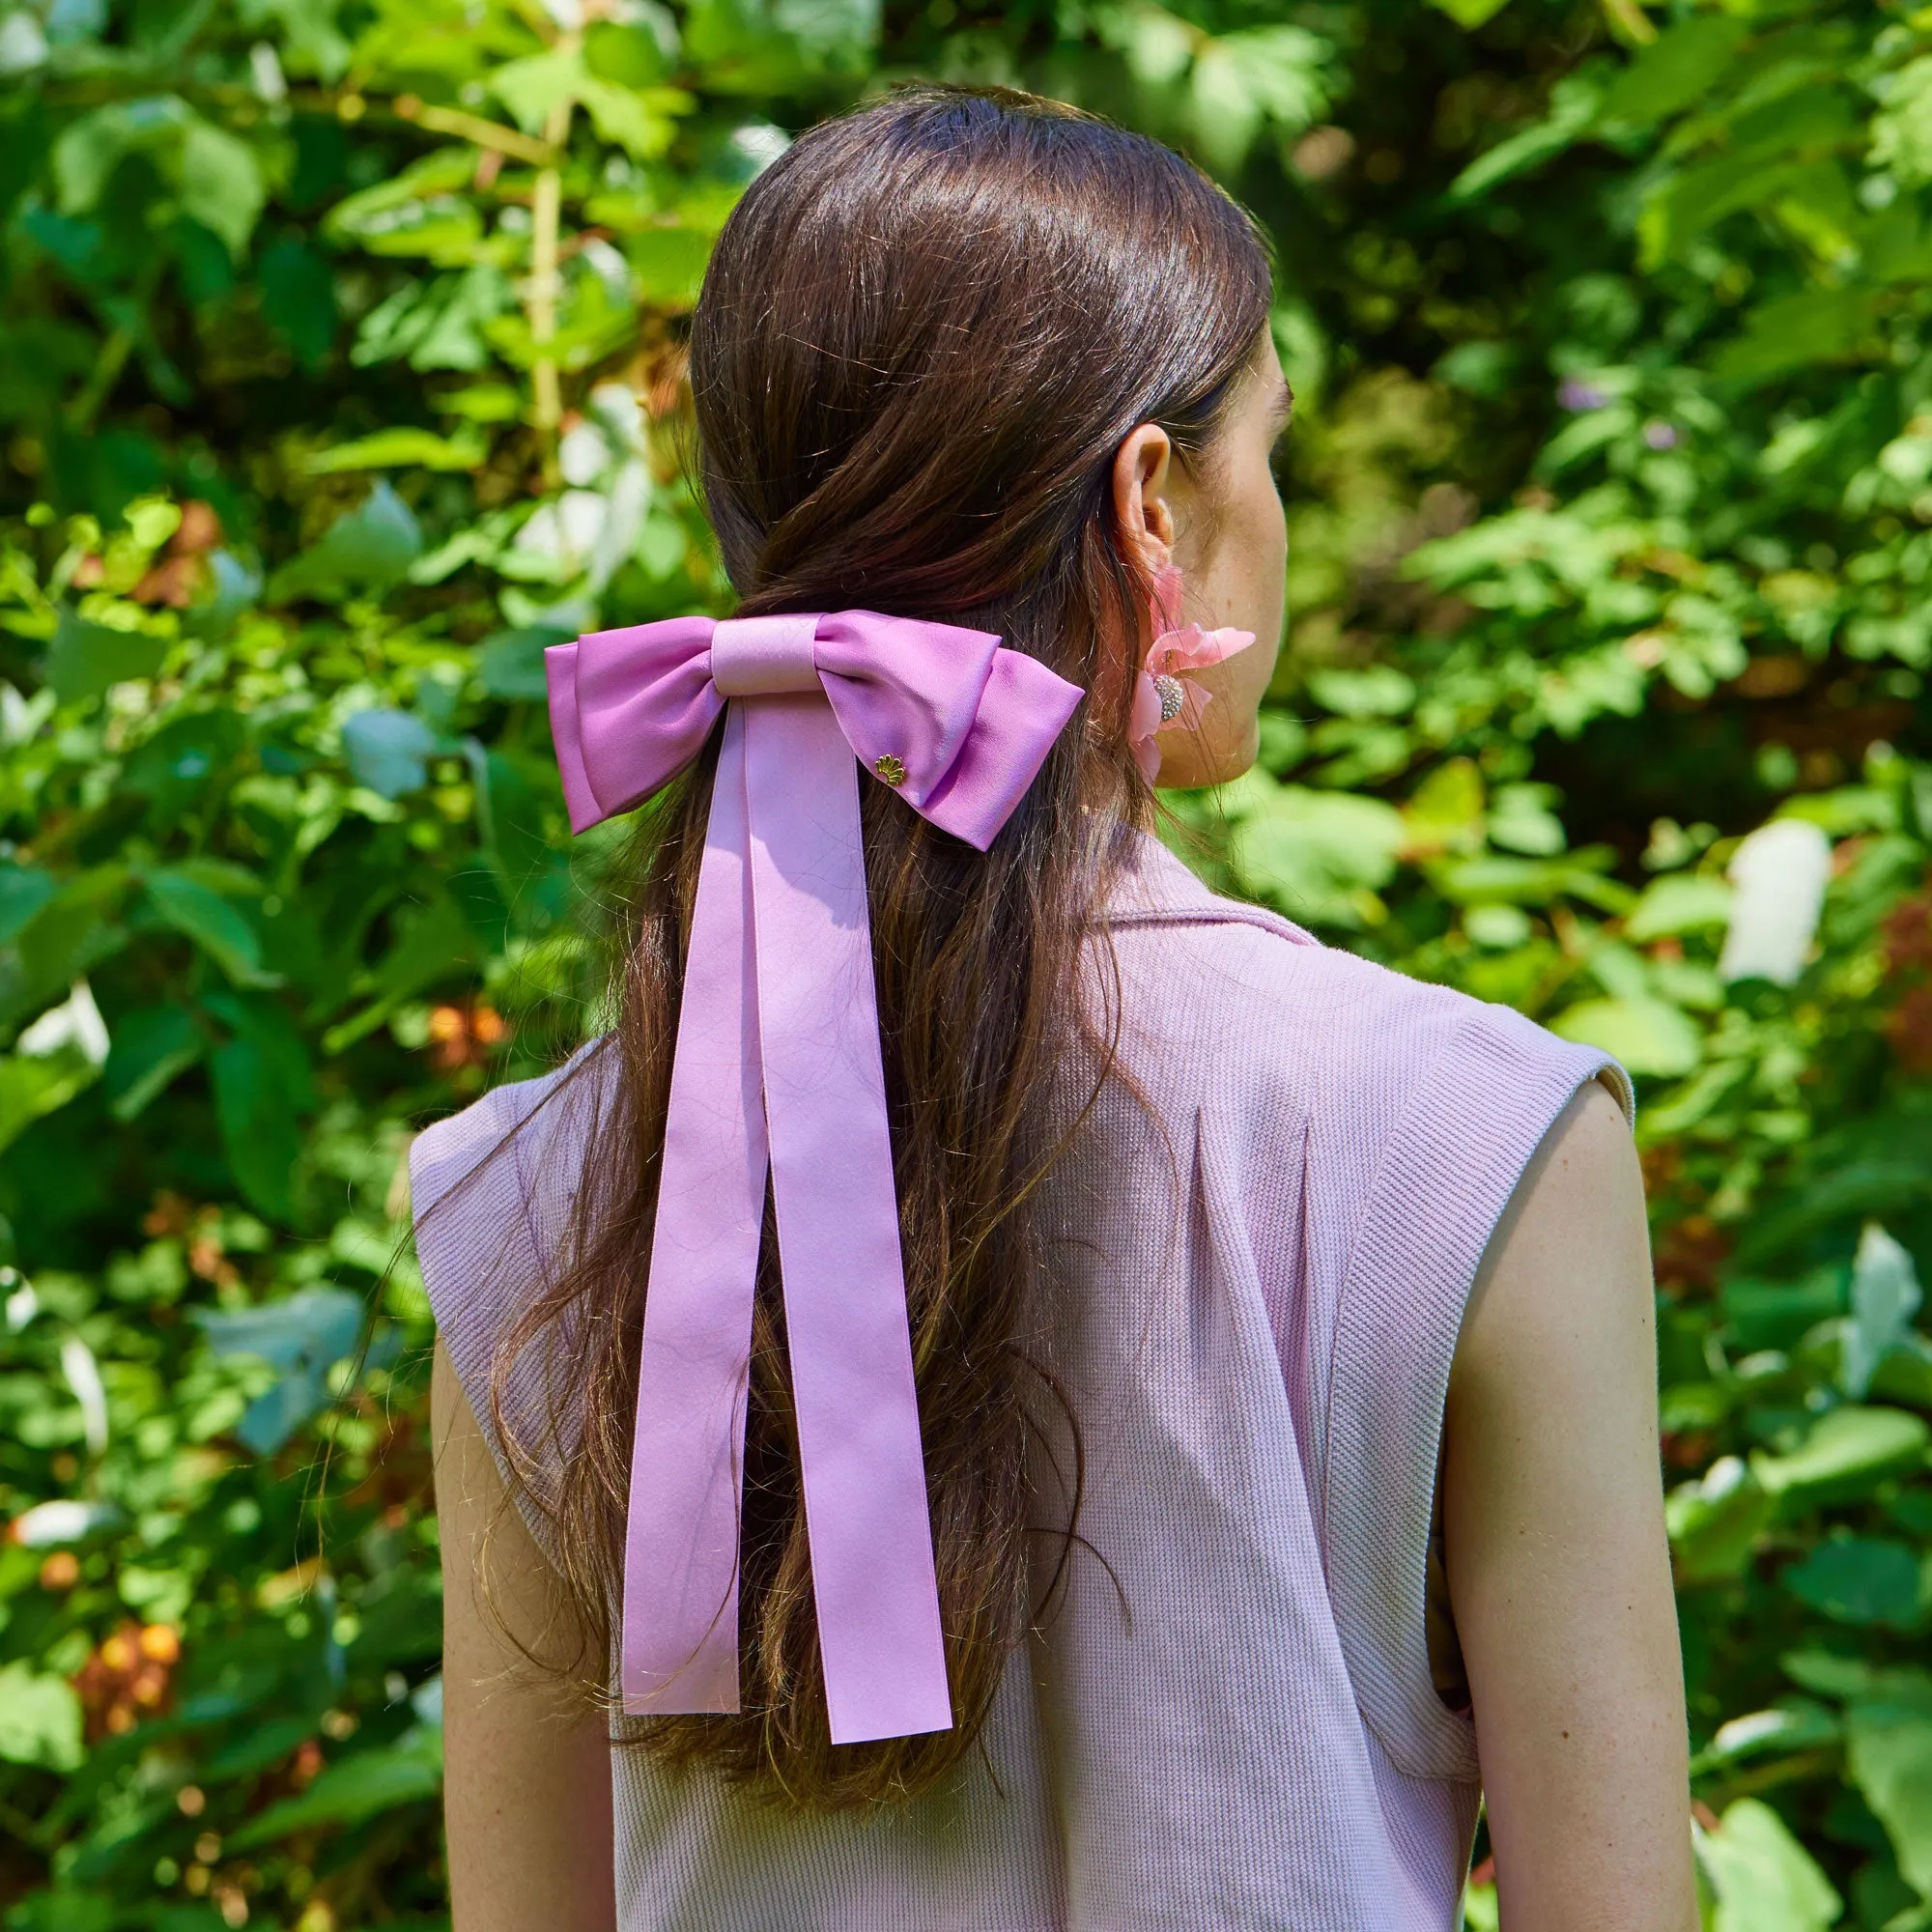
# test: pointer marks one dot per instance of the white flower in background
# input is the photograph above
(760, 143)
(61, 1520)
(615, 407)
(21, 717)
(22, 1304)
(76, 1022)
(595, 525)
(1780, 872)
(83, 1377)
(607, 265)
(582, 455)
(561, 534)
(624, 508)
(265, 70)
(1884, 1297)
(24, 46)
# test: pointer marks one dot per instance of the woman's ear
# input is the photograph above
(1140, 483)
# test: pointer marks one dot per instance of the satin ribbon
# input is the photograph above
(777, 1067)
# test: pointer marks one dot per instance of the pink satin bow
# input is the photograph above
(777, 1063)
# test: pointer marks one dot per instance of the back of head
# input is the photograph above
(926, 331)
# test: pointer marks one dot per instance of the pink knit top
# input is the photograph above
(1230, 1720)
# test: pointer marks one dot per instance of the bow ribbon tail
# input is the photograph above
(860, 1456)
(680, 1613)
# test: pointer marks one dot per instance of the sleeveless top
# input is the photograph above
(1261, 1267)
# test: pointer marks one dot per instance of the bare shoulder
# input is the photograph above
(1570, 1259)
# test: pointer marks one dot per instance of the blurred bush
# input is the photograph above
(340, 371)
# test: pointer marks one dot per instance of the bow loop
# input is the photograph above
(956, 725)
(778, 1071)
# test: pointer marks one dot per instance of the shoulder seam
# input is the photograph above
(1215, 912)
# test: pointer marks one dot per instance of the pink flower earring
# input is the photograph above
(1165, 692)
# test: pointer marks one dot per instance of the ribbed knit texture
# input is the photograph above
(1229, 1722)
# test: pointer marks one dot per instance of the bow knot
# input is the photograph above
(778, 1069)
(764, 657)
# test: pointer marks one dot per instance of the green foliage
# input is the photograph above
(323, 326)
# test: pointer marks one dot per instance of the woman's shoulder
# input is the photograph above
(491, 1191)
(541, 1117)
(1239, 987)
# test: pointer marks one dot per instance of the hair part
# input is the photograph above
(925, 333)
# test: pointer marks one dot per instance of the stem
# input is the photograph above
(114, 352)
(474, 127)
(1629, 22)
(546, 211)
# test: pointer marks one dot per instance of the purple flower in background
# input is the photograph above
(1578, 395)
(1660, 435)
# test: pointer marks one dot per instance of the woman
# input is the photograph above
(1181, 1427)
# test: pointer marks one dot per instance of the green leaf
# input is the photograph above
(1776, 1314)
(261, 1017)
(302, 1338)
(1647, 1036)
(259, 1130)
(215, 925)
(69, 935)
(532, 89)
(184, 755)
(40, 1720)
(1765, 1880)
(222, 185)
(152, 1047)
(1573, 108)
(23, 891)
(1256, 77)
(1816, 325)
(299, 298)
(91, 147)
(1524, 819)
(34, 1086)
(310, 39)
(1715, 1522)
(442, 172)
(1846, 1453)
(1311, 851)
(360, 1787)
(1889, 1757)
(1884, 1296)
(399, 449)
(54, 1059)
(1676, 71)
(1469, 15)
(669, 263)
(1795, 1725)
(1376, 690)
(510, 663)
(642, 122)
(628, 56)
(438, 324)
(1858, 1579)
(1682, 902)
(84, 659)
(370, 548)
(1901, 131)
(388, 751)
(67, 1910)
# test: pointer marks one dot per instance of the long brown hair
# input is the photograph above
(925, 333)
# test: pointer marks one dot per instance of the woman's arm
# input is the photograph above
(1558, 1567)
(527, 1763)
